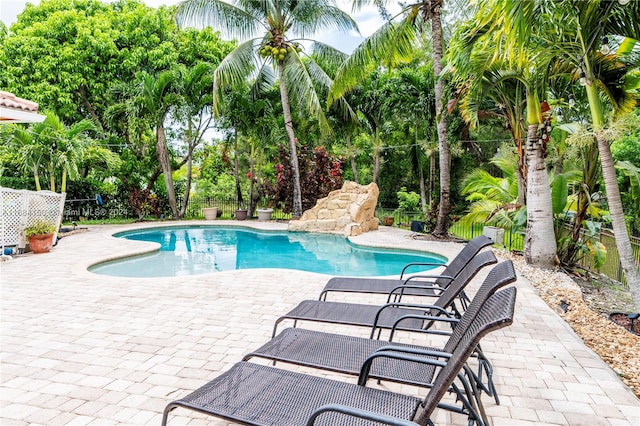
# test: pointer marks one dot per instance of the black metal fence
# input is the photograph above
(226, 208)
(515, 241)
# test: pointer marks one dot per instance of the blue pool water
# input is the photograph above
(196, 250)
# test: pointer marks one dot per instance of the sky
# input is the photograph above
(368, 21)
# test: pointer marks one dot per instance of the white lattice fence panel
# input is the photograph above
(21, 208)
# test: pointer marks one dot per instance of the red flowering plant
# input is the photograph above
(320, 173)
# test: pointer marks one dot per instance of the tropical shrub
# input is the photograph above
(320, 173)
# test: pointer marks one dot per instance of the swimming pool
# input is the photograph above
(193, 250)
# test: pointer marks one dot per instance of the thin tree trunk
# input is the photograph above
(252, 197)
(540, 241)
(423, 193)
(187, 189)
(36, 177)
(352, 159)
(623, 243)
(432, 177)
(63, 181)
(88, 107)
(163, 159)
(236, 172)
(52, 178)
(376, 155)
(293, 150)
(521, 172)
(443, 144)
(589, 179)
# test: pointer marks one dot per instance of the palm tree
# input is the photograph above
(496, 27)
(415, 107)
(265, 26)
(584, 23)
(148, 102)
(53, 147)
(394, 42)
(604, 75)
(29, 153)
(157, 97)
(493, 199)
(196, 110)
(491, 80)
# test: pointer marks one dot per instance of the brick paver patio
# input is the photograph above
(84, 349)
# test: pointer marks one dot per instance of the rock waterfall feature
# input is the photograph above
(348, 211)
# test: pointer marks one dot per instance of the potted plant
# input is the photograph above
(40, 235)
(387, 220)
(241, 213)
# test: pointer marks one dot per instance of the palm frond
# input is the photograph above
(264, 81)
(219, 15)
(391, 44)
(310, 16)
(234, 69)
(300, 85)
(328, 57)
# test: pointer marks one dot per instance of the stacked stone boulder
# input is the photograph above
(349, 211)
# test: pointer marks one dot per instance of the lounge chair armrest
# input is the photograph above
(415, 351)
(399, 356)
(407, 266)
(357, 412)
(398, 291)
(427, 329)
(413, 277)
(387, 305)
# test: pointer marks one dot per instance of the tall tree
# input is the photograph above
(55, 150)
(195, 110)
(620, 20)
(496, 28)
(266, 28)
(575, 31)
(393, 43)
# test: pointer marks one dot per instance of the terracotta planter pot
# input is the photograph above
(241, 214)
(41, 243)
(387, 220)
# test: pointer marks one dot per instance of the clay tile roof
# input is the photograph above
(9, 100)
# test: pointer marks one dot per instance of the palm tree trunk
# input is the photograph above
(293, 150)
(187, 189)
(163, 159)
(63, 181)
(36, 177)
(540, 240)
(521, 173)
(623, 244)
(52, 177)
(376, 156)
(432, 177)
(236, 172)
(352, 159)
(423, 193)
(443, 144)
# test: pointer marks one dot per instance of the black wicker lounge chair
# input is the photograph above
(384, 286)
(386, 316)
(346, 354)
(261, 395)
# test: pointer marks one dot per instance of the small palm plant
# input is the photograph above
(40, 227)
